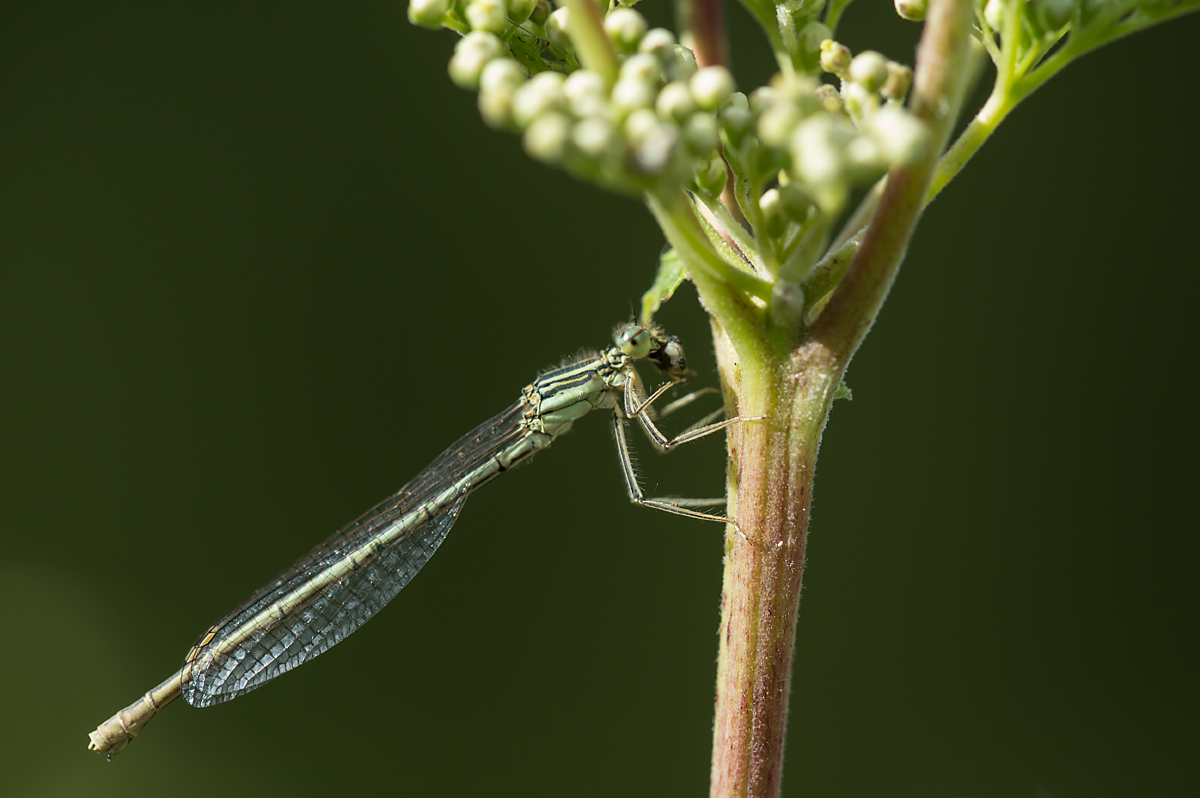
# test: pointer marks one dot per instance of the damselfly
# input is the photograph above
(339, 585)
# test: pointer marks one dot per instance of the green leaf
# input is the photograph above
(670, 276)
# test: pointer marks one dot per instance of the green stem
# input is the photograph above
(772, 460)
(596, 52)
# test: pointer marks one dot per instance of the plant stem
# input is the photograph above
(772, 461)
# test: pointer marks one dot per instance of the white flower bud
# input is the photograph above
(630, 94)
(869, 70)
(547, 137)
(594, 136)
(899, 80)
(776, 123)
(658, 42)
(641, 66)
(835, 57)
(625, 27)
(682, 64)
(859, 102)
(675, 102)
(817, 146)
(586, 93)
(557, 25)
(700, 133)
(912, 10)
(428, 13)
(993, 13)
(501, 72)
(495, 103)
(538, 95)
(711, 174)
(711, 87)
(471, 55)
(651, 142)
(489, 15)
(902, 138)
(520, 10)
(863, 157)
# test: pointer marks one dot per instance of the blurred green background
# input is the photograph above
(261, 262)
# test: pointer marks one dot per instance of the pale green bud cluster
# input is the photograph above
(657, 121)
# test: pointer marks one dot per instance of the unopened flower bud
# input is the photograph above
(816, 147)
(594, 136)
(557, 25)
(541, 12)
(586, 93)
(831, 101)
(547, 137)
(993, 13)
(869, 70)
(711, 87)
(641, 66)
(773, 220)
(700, 133)
(675, 102)
(1052, 15)
(651, 142)
(902, 138)
(428, 13)
(795, 200)
(835, 57)
(913, 10)
(898, 81)
(859, 102)
(776, 123)
(538, 95)
(520, 10)
(808, 42)
(658, 42)
(682, 64)
(471, 55)
(711, 174)
(630, 94)
(625, 27)
(497, 84)
(489, 15)
(736, 120)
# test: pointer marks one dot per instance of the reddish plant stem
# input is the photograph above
(772, 461)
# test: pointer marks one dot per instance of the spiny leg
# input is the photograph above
(637, 496)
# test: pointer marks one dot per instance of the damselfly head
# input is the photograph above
(649, 341)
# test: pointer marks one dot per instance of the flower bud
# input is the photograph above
(835, 57)
(711, 87)
(630, 94)
(816, 147)
(641, 66)
(1052, 15)
(993, 13)
(586, 93)
(682, 64)
(471, 55)
(869, 70)
(521, 10)
(776, 123)
(711, 174)
(489, 15)
(557, 25)
(773, 220)
(736, 120)
(859, 102)
(497, 84)
(541, 12)
(651, 142)
(902, 138)
(428, 13)
(538, 95)
(594, 137)
(547, 137)
(899, 79)
(625, 27)
(912, 10)
(674, 102)
(808, 43)
(831, 101)
(700, 133)
(658, 42)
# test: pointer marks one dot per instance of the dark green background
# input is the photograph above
(261, 263)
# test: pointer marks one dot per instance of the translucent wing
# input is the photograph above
(339, 585)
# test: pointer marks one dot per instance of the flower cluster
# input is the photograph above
(796, 146)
